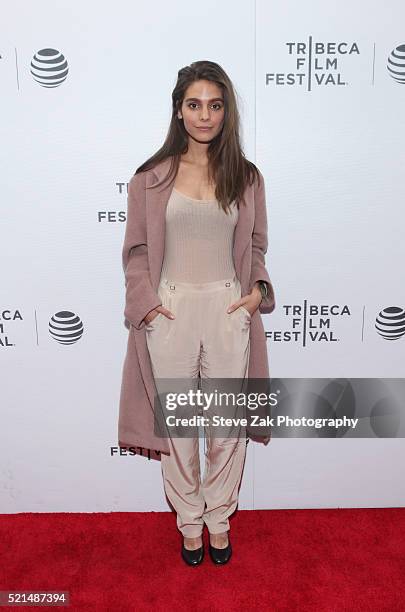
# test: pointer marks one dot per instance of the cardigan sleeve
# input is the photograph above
(140, 296)
(259, 248)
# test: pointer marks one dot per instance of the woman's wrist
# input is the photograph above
(257, 294)
(262, 287)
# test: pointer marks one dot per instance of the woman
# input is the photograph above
(197, 323)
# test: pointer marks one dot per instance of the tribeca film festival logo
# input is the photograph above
(317, 63)
(65, 327)
(311, 323)
(112, 216)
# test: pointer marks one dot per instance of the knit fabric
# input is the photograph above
(198, 240)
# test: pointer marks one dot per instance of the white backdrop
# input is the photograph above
(327, 130)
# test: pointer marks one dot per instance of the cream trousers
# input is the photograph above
(201, 343)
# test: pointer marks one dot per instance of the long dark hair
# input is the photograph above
(227, 165)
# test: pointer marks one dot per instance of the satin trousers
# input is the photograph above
(201, 343)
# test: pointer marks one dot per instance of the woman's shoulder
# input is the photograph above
(256, 176)
(156, 167)
(137, 181)
(138, 176)
(147, 175)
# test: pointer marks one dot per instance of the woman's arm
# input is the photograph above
(140, 298)
(259, 249)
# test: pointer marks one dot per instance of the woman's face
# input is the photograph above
(203, 107)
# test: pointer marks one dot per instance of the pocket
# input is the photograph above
(245, 312)
(155, 321)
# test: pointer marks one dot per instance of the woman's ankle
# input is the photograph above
(192, 543)
(219, 540)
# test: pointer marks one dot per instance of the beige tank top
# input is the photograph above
(198, 240)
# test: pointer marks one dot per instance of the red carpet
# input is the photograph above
(317, 560)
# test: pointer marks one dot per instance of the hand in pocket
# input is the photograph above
(249, 302)
(152, 314)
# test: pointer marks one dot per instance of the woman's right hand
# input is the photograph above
(152, 314)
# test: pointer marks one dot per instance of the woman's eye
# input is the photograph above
(193, 104)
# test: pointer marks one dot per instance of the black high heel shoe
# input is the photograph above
(192, 557)
(219, 556)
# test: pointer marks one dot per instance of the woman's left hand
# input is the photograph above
(251, 301)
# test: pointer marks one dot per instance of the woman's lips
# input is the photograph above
(204, 129)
